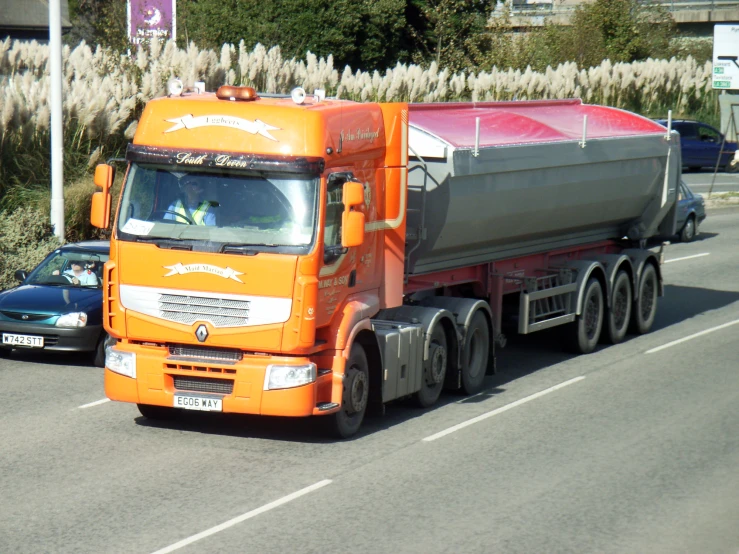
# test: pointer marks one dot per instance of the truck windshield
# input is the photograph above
(217, 207)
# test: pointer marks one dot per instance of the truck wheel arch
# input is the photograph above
(585, 270)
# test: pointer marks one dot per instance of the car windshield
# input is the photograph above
(67, 267)
(219, 208)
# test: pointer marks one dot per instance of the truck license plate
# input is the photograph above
(201, 403)
(28, 341)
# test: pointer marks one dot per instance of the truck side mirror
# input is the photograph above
(100, 209)
(352, 220)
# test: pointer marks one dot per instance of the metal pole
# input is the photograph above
(721, 151)
(57, 132)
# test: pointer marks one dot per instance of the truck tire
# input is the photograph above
(157, 413)
(346, 422)
(476, 352)
(584, 332)
(619, 316)
(645, 303)
(434, 369)
(688, 231)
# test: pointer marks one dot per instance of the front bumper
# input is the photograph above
(60, 339)
(239, 384)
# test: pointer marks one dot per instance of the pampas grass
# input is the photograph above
(104, 92)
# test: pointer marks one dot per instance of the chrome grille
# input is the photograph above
(220, 354)
(204, 384)
(220, 312)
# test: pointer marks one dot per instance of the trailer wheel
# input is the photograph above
(434, 369)
(617, 322)
(346, 422)
(161, 413)
(584, 332)
(645, 303)
(476, 351)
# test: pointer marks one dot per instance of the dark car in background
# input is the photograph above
(59, 305)
(691, 211)
(700, 145)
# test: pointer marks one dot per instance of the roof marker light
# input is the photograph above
(298, 95)
(175, 87)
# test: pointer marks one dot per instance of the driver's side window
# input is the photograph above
(334, 210)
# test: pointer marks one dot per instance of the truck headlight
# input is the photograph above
(288, 376)
(121, 362)
(75, 319)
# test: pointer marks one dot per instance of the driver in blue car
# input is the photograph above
(78, 275)
(195, 209)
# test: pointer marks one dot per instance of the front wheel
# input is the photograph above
(585, 331)
(689, 229)
(645, 304)
(617, 322)
(346, 422)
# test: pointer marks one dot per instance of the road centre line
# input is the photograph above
(687, 257)
(500, 410)
(693, 336)
(243, 517)
(91, 404)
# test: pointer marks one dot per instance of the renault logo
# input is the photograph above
(201, 333)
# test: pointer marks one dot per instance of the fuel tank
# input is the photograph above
(495, 180)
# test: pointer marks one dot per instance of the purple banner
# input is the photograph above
(148, 19)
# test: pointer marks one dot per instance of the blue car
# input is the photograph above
(59, 305)
(691, 211)
(700, 145)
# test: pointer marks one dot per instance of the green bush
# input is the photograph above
(25, 239)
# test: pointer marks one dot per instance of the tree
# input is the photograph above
(618, 30)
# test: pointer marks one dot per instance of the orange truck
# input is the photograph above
(303, 256)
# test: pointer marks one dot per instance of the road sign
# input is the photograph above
(726, 56)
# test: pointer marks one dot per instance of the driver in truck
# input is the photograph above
(195, 209)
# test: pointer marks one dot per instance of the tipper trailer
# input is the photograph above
(303, 256)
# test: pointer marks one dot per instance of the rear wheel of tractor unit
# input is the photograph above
(157, 413)
(348, 419)
(618, 317)
(585, 331)
(645, 303)
(434, 369)
(476, 352)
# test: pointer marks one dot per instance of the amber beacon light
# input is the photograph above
(227, 92)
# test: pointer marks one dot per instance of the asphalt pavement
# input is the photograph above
(701, 181)
(634, 448)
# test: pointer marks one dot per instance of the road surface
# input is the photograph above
(634, 448)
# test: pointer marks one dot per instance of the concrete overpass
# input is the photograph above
(695, 16)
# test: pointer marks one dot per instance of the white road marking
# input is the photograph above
(91, 404)
(243, 517)
(691, 337)
(687, 257)
(500, 410)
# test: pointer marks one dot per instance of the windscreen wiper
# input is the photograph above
(249, 249)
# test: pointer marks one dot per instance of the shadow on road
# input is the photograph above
(523, 355)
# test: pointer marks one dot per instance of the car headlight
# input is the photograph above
(75, 319)
(121, 362)
(288, 376)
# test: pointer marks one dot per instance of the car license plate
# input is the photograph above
(28, 341)
(201, 403)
